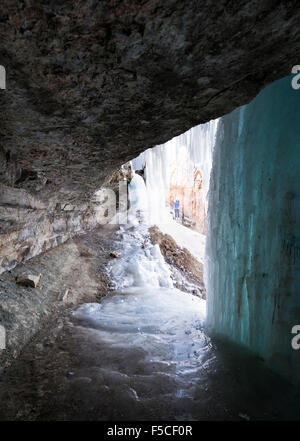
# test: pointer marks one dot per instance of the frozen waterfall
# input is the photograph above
(174, 166)
(179, 169)
(253, 265)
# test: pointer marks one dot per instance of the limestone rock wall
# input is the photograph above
(29, 227)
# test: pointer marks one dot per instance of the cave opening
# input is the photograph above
(183, 304)
(154, 318)
(170, 186)
(198, 283)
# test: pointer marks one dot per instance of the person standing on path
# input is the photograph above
(177, 208)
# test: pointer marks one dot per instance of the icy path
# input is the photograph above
(140, 355)
(153, 346)
(151, 333)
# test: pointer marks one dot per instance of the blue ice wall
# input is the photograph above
(253, 243)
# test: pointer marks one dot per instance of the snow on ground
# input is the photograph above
(185, 238)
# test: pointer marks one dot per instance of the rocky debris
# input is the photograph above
(28, 280)
(186, 268)
(114, 254)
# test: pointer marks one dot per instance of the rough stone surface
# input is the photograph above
(72, 273)
(29, 280)
(91, 84)
(29, 227)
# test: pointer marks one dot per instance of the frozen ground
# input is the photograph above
(142, 354)
(151, 333)
(185, 237)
